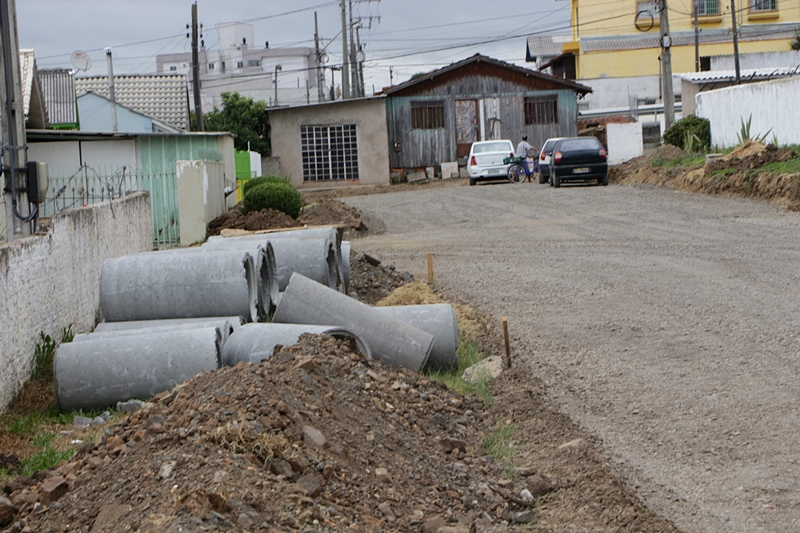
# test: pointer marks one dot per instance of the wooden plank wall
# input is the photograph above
(420, 148)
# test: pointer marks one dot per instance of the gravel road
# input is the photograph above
(666, 324)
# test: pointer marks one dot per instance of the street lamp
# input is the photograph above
(277, 68)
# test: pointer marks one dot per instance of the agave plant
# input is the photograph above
(744, 133)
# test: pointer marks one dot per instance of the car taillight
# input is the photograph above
(542, 156)
(473, 162)
(557, 157)
(602, 154)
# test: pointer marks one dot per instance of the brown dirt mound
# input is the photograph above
(371, 283)
(253, 221)
(328, 211)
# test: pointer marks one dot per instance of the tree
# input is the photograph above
(245, 118)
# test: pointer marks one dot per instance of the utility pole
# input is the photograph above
(666, 67)
(360, 56)
(354, 87)
(345, 55)
(735, 45)
(696, 42)
(111, 94)
(198, 105)
(320, 88)
(14, 150)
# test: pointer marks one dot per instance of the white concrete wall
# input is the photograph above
(201, 197)
(52, 281)
(785, 58)
(624, 142)
(616, 93)
(773, 105)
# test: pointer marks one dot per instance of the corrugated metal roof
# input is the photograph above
(542, 46)
(761, 32)
(59, 95)
(751, 74)
(161, 96)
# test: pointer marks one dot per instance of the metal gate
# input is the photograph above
(329, 152)
(78, 188)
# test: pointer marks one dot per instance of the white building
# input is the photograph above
(238, 64)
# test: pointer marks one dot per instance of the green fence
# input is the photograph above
(71, 189)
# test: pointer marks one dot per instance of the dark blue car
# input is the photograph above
(578, 159)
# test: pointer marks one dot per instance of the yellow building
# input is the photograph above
(620, 38)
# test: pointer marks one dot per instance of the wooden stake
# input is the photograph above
(430, 269)
(508, 346)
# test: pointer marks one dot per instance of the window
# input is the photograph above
(763, 5)
(239, 64)
(329, 152)
(707, 7)
(173, 68)
(253, 62)
(541, 109)
(427, 115)
(705, 63)
(645, 101)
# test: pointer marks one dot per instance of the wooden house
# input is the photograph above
(436, 117)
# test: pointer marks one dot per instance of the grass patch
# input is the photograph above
(720, 174)
(689, 160)
(468, 353)
(498, 442)
(46, 457)
(787, 167)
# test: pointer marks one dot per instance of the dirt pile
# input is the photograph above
(320, 213)
(315, 439)
(744, 172)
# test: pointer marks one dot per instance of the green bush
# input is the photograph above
(278, 196)
(694, 129)
(252, 182)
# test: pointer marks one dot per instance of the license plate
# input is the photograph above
(583, 170)
(497, 171)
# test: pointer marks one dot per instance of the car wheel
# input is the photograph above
(603, 180)
(471, 182)
(542, 178)
(556, 180)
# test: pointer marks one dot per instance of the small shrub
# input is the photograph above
(280, 197)
(254, 182)
(42, 364)
(692, 127)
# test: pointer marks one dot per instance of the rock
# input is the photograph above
(438, 419)
(574, 445)
(108, 517)
(131, 406)
(7, 511)
(488, 368)
(81, 421)
(432, 524)
(52, 489)
(315, 435)
(19, 483)
(416, 517)
(155, 419)
(310, 485)
(453, 529)
(538, 485)
(371, 259)
(523, 517)
(448, 445)
(281, 468)
(167, 467)
(526, 495)
(406, 277)
(381, 474)
(386, 509)
(244, 521)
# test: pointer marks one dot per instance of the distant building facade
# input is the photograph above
(239, 64)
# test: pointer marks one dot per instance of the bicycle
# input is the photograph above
(517, 173)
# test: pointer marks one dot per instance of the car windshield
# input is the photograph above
(590, 143)
(490, 147)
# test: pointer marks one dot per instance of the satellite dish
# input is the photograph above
(81, 60)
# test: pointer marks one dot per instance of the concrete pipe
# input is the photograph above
(95, 373)
(392, 341)
(154, 326)
(184, 283)
(256, 342)
(329, 233)
(440, 321)
(211, 321)
(346, 266)
(267, 272)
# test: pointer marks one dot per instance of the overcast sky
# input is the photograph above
(408, 35)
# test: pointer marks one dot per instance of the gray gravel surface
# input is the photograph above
(667, 324)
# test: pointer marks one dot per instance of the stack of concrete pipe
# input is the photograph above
(226, 325)
(187, 283)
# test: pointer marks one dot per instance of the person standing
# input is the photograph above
(525, 150)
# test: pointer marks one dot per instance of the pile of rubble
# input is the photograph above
(317, 438)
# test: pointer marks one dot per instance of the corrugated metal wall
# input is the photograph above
(58, 89)
(430, 147)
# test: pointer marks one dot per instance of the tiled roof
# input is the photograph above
(160, 96)
(761, 32)
(750, 74)
(59, 95)
(541, 46)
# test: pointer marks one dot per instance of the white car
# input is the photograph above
(544, 159)
(485, 160)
